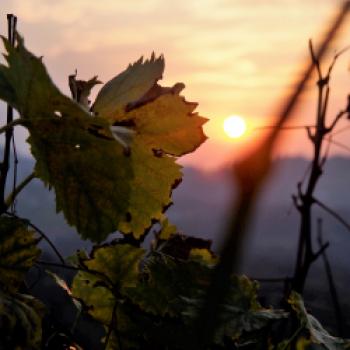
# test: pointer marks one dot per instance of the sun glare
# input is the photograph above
(235, 126)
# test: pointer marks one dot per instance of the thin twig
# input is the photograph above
(287, 127)
(10, 199)
(111, 326)
(9, 126)
(326, 153)
(337, 143)
(33, 284)
(320, 251)
(14, 182)
(331, 283)
(336, 56)
(11, 21)
(74, 268)
(336, 120)
(315, 60)
(341, 130)
(272, 280)
(333, 213)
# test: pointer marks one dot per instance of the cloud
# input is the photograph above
(232, 54)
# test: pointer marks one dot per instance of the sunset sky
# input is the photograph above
(235, 56)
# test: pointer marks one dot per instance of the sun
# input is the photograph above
(235, 126)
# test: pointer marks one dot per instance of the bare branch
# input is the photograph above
(337, 143)
(310, 135)
(335, 58)
(332, 213)
(320, 251)
(272, 280)
(331, 283)
(7, 127)
(326, 153)
(336, 120)
(74, 268)
(325, 103)
(315, 60)
(287, 127)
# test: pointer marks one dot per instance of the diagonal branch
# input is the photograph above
(336, 119)
(331, 282)
(332, 213)
(12, 196)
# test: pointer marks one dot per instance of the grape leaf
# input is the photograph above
(33, 93)
(90, 173)
(167, 124)
(318, 334)
(75, 154)
(166, 282)
(128, 86)
(18, 252)
(102, 183)
(20, 321)
(115, 267)
(239, 313)
(154, 177)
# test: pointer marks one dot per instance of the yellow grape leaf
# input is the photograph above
(130, 85)
(150, 188)
(115, 171)
(114, 267)
(18, 252)
(168, 124)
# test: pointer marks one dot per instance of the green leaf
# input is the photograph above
(20, 321)
(76, 154)
(128, 86)
(18, 252)
(185, 247)
(167, 281)
(33, 93)
(89, 171)
(318, 334)
(115, 269)
(240, 312)
(112, 172)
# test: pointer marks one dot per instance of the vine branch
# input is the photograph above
(333, 213)
(12, 196)
(11, 21)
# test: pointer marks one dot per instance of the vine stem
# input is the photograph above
(9, 126)
(11, 21)
(10, 199)
(74, 268)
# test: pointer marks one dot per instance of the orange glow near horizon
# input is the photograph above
(232, 55)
